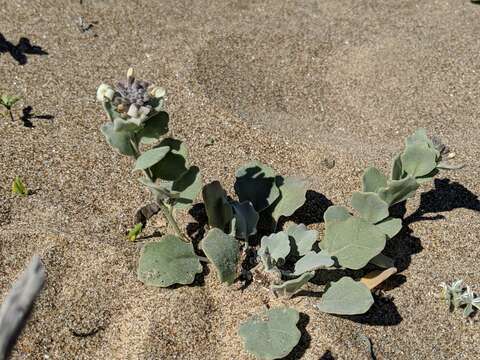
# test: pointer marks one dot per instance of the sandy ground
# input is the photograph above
(296, 84)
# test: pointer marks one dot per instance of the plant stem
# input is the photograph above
(171, 220)
(167, 211)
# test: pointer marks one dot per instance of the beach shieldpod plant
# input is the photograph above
(357, 240)
(287, 261)
(137, 123)
(271, 334)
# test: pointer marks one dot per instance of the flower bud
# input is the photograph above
(105, 93)
(158, 92)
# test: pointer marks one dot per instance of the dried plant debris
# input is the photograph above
(85, 27)
(18, 303)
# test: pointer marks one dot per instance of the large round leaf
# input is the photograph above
(346, 297)
(336, 213)
(174, 163)
(278, 246)
(120, 140)
(398, 190)
(246, 219)
(303, 238)
(418, 160)
(313, 261)
(373, 179)
(167, 262)
(219, 211)
(155, 127)
(151, 157)
(186, 188)
(353, 242)
(292, 196)
(222, 250)
(370, 206)
(271, 334)
(256, 183)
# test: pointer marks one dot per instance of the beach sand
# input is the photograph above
(317, 89)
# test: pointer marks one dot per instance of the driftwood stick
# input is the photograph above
(17, 304)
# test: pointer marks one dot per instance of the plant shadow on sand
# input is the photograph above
(27, 117)
(445, 196)
(20, 51)
(299, 350)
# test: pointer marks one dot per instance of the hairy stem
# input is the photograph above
(166, 210)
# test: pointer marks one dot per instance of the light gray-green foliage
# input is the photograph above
(294, 244)
(135, 110)
(278, 246)
(151, 157)
(313, 261)
(246, 219)
(346, 297)
(256, 183)
(370, 206)
(167, 262)
(271, 334)
(276, 195)
(354, 242)
(303, 238)
(219, 211)
(292, 196)
(290, 287)
(223, 251)
(457, 296)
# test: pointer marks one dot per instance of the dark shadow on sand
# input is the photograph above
(20, 51)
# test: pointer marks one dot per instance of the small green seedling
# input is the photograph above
(134, 232)
(8, 101)
(457, 296)
(19, 188)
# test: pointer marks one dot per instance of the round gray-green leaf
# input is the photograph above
(373, 179)
(398, 190)
(222, 250)
(271, 334)
(346, 297)
(256, 183)
(151, 157)
(186, 188)
(353, 242)
(219, 211)
(418, 160)
(246, 219)
(174, 163)
(390, 226)
(167, 262)
(313, 261)
(290, 287)
(303, 238)
(370, 206)
(278, 245)
(155, 127)
(336, 213)
(120, 140)
(292, 196)
(396, 172)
